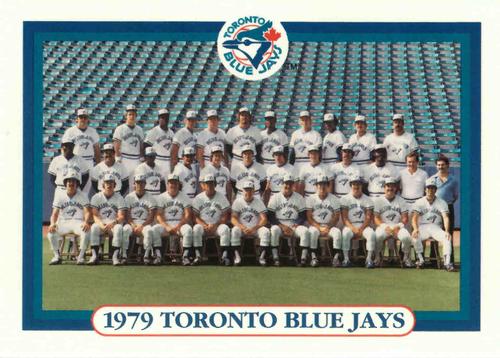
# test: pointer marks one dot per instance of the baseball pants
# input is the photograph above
(403, 236)
(186, 232)
(130, 165)
(300, 232)
(116, 233)
(367, 234)
(428, 231)
(147, 235)
(222, 232)
(69, 227)
(163, 166)
(263, 234)
(334, 234)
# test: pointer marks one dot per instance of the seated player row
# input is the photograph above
(288, 216)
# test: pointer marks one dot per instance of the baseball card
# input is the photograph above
(250, 180)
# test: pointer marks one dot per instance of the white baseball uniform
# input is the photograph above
(210, 210)
(188, 178)
(238, 137)
(398, 147)
(60, 165)
(275, 174)
(117, 170)
(84, 142)
(161, 141)
(152, 175)
(207, 139)
(391, 213)
(356, 213)
(173, 211)
(322, 212)
(255, 173)
(139, 210)
(342, 175)
(108, 210)
(412, 184)
(131, 139)
(184, 138)
(249, 216)
(308, 175)
(299, 142)
(331, 142)
(288, 211)
(362, 146)
(269, 141)
(222, 176)
(376, 177)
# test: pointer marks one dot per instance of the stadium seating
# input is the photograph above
(377, 79)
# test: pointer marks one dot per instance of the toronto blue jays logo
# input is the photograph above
(252, 47)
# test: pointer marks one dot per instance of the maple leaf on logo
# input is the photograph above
(272, 35)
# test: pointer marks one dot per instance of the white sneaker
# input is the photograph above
(185, 261)
(80, 261)
(116, 262)
(93, 261)
(146, 261)
(314, 262)
(237, 260)
(157, 261)
(262, 261)
(56, 260)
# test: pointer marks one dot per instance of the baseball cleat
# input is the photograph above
(173, 260)
(370, 265)
(419, 264)
(186, 262)
(116, 262)
(449, 268)
(93, 261)
(157, 261)
(80, 261)
(196, 261)
(124, 261)
(346, 264)
(408, 263)
(277, 262)
(56, 260)
(302, 263)
(146, 261)
(226, 261)
(237, 261)
(262, 261)
(314, 262)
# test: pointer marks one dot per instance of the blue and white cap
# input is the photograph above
(288, 178)
(82, 112)
(328, 117)
(247, 147)
(150, 152)
(379, 146)
(188, 151)
(243, 109)
(191, 115)
(355, 179)
(430, 182)
(270, 114)
(208, 178)
(278, 149)
(304, 114)
(359, 118)
(109, 177)
(172, 176)
(72, 174)
(162, 111)
(212, 113)
(108, 146)
(215, 149)
(322, 179)
(248, 185)
(346, 147)
(131, 107)
(313, 147)
(390, 180)
(139, 178)
(397, 116)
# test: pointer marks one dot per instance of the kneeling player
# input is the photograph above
(174, 218)
(357, 212)
(211, 212)
(70, 215)
(391, 216)
(287, 215)
(249, 219)
(109, 211)
(141, 209)
(323, 212)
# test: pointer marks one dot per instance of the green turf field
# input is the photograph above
(68, 287)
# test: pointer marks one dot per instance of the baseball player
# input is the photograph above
(377, 172)
(160, 138)
(272, 137)
(210, 137)
(301, 139)
(70, 215)
(248, 169)
(221, 174)
(287, 214)
(333, 139)
(311, 171)
(110, 214)
(430, 216)
(184, 137)
(187, 173)
(343, 172)
(357, 214)
(128, 141)
(86, 140)
(109, 166)
(276, 172)
(174, 217)
(65, 161)
(241, 135)
(399, 143)
(211, 212)
(412, 179)
(361, 142)
(155, 182)
(248, 216)
(323, 213)
(391, 217)
(141, 212)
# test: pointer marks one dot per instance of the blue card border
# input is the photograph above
(467, 34)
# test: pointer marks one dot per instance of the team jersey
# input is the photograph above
(188, 178)
(248, 212)
(430, 213)
(287, 210)
(376, 177)
(173, 207)
(309, 174)
(390, 211)
(206, 139)
(240, 173)
(210, 210)
(71, 208)
(152, 175)
(222, 176)
(269, 141)
(275, 174)
(184, 138)
(161, 141)
(130, 139)
(398, 147)
(239, 137)
(356, 207)
(60, 165)
(413, 185)
(323, 209)
(330, 144)
(362, 146)
(108, 207)
(117, 170)
(139, 208)
(341, 177)
(84, 141)
(300, 140)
